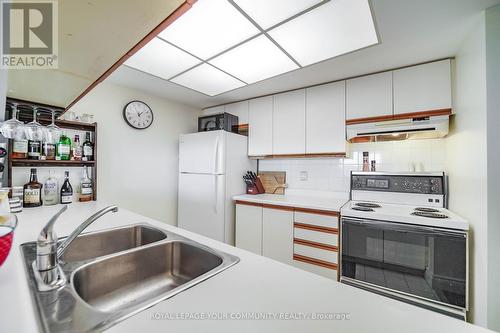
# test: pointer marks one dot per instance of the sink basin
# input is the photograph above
(119, 282)
(116, 273)
(101, 243)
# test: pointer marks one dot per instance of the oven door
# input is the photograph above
(423, 263)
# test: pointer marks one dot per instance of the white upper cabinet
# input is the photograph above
(239, 109)
(425, 87)
(325, 118)
(369, 96)
(260, 126)
(289, 130)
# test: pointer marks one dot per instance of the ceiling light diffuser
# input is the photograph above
(161, 59)
(207, 80)
(332, 29)
(269, 13)
(255, 60)
(208, 28)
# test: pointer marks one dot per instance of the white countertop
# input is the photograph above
(254, 285)
(322, 200)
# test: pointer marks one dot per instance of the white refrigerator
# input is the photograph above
(211, 167)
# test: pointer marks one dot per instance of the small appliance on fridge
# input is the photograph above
(211, 165)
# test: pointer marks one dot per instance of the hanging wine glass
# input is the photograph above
(34, 131)
(53, 132)
(13, 128)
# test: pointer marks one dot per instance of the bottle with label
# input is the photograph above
(63, 147)
(20, 149)
(32, 191)
(88, 148)
(48, 151)
(85, 187)
(66, 190)
(76, 149)
(34, 149)
(50, 190)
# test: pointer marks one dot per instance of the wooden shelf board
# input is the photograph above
(51, 163)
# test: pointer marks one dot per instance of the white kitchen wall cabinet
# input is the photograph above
(260, 126)
(369, 96)
(277, 234)
(289, 130)
(422, 88)
(325, 118)
(213, 110)
(239, 109)
(249, 228)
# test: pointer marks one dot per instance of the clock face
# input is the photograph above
(138, 115)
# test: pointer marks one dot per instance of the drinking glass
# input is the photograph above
(34, 131)
(13, 128)
(52, 131)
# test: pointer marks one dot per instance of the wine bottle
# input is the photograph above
(50, 190)
(66, 190)
(63, 147)
(88, 148)
(85, 187)
(32, 191)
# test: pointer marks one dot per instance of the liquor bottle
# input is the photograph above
(76, 149)
(34, 149)
(20, 149)
(32, 191)
(63, 147)
(85, 187)
(88, 148)
(66, 190)
(48, 151)
(50, 190)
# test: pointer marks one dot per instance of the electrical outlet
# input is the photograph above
(304, 175)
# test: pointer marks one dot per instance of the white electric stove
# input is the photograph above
(399, 239)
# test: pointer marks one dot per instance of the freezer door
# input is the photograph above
(202, 152)
(201, 204)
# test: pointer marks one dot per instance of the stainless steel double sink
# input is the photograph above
(115, 273)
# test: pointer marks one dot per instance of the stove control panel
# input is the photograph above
(421, 184)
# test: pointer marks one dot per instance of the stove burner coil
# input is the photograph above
(430, 215)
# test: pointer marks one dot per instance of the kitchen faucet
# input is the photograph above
(48, 253)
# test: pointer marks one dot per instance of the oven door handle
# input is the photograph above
(404, 228)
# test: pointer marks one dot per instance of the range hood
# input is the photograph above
(401, 129)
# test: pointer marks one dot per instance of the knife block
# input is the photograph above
(251, 189)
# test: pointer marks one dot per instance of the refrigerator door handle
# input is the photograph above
(216, 192)
(216, 154)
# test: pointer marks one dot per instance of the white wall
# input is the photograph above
(493, 105)
(137, 169)
(466, 159)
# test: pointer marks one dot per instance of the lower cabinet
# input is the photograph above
(303, 238)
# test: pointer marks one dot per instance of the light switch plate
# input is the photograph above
(303, 175)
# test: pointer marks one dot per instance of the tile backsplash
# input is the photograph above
(332, 174)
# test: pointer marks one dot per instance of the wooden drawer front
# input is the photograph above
(316, 236)
(315, 253)
(320, 220)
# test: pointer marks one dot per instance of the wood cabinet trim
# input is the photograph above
(286, 208)
(315, 245)
(316, 228)
(308, 155)
(316, 262)
(317, 211)
(429, 113)
(248, 203)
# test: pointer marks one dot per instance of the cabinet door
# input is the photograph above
(260, 126)
(277, 234)
(289, 129)
(213, 110)
(422, 88)
(239, 109)
(369, 96)
(325, 118)
(249, 228)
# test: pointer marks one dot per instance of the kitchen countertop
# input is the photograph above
(321, 200)
(255, 286)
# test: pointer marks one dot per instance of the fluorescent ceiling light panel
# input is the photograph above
(268, 13)
(255, 60)
(332, 29)
(161, 59)
(207, 80)
(208, 28)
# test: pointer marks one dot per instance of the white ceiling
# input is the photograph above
(410, 32)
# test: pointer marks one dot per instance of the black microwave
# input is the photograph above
(222, 121)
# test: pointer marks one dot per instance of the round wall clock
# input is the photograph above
(138, 115)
